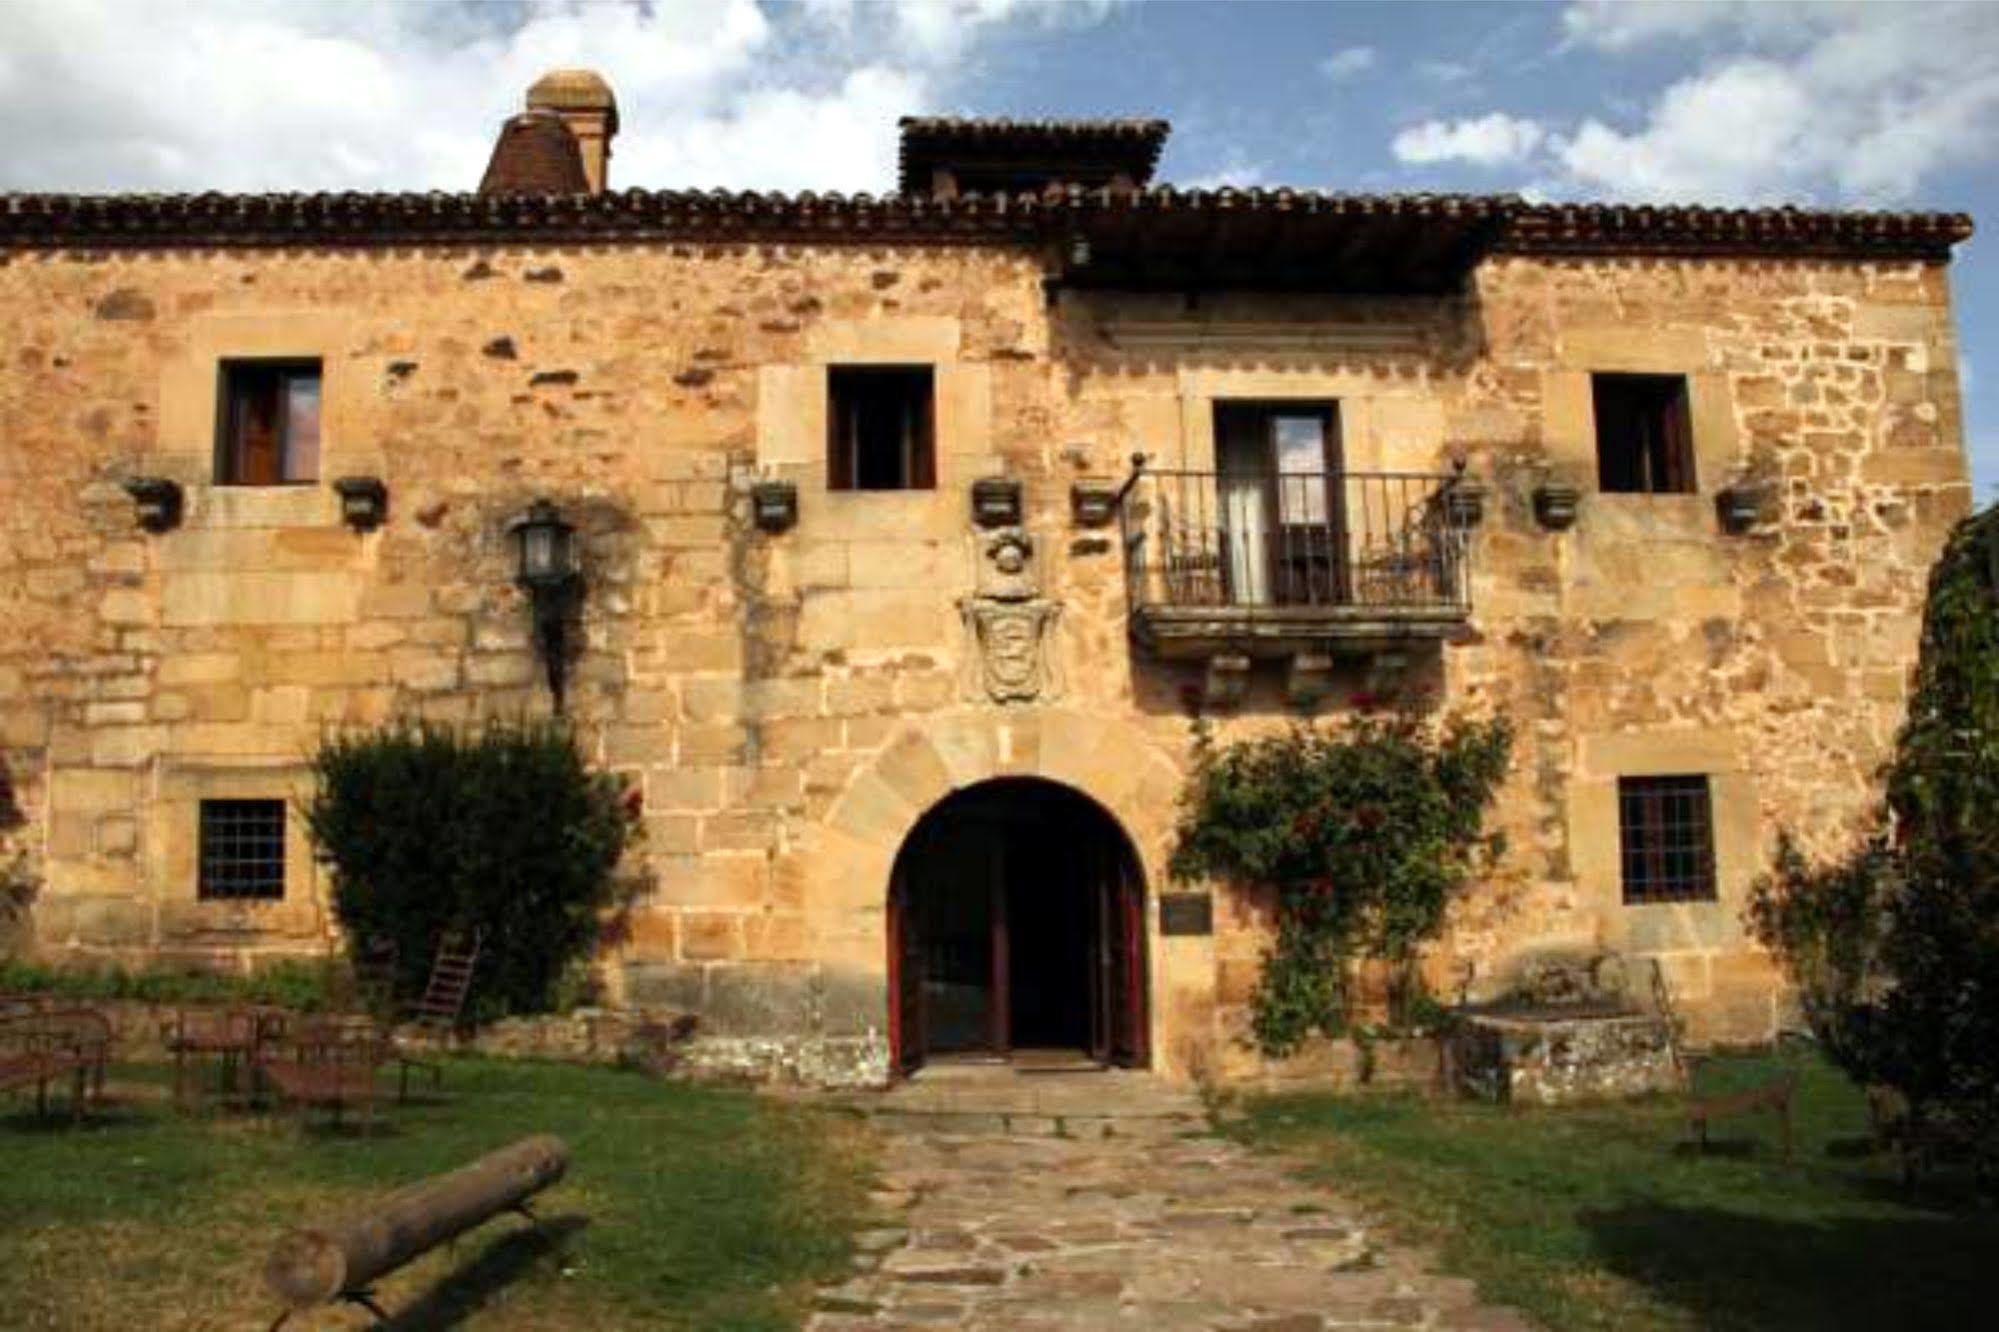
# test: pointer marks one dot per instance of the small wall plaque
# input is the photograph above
(1186, 913)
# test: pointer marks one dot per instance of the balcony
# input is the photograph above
(1324, 564)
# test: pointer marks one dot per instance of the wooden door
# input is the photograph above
(905, 981)
(1283, 507)
(1128, 1036)
(1117, 980)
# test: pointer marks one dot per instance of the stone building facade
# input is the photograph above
(910, 744)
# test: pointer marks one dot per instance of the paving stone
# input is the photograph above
(1125, 1224)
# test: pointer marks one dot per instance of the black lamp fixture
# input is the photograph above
(158, 500)
(364, 502)
(996, 501)
(549, 572)
(775, 505)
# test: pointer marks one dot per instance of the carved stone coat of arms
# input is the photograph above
(1010, 626)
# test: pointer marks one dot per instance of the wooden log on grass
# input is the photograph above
(317, 1264)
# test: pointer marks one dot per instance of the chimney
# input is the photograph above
(584, 101)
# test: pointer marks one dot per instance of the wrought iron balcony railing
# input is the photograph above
(1293, 557)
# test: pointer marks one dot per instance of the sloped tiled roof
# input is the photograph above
(1253, 217)
(1597, 228)
(1091, 150)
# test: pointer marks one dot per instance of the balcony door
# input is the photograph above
(1278, 470)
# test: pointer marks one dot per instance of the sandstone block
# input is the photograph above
(710, 936)
(734, 879)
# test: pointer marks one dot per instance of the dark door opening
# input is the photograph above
(1016, 923)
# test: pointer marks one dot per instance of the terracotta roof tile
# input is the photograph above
(1507, 223)
(1673, 229)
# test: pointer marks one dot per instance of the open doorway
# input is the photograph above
(1016, 926)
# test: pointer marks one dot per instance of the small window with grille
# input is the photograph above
(242, 850)
(1666, 833)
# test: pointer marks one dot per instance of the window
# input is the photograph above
(242, 850)
(1278, 502)
(269, 432)
(1643, 444)
(880, 435)
(1666, 835)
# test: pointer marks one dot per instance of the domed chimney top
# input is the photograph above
(587, 105)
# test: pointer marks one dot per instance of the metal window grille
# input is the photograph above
(1666, 833)
(242, 849)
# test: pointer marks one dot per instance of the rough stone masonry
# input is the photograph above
(792, 700)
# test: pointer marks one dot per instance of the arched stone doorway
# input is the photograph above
(1016, 927)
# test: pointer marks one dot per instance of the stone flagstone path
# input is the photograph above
(1102, 1202)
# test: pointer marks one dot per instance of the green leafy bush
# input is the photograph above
(1895, 946)
(1828, 921)
(432, 830)
(1366, 831)
(300, 985)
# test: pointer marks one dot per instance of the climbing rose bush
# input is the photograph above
(1367, 829)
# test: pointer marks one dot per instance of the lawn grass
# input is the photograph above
(684, 1207)
(1601, 1217)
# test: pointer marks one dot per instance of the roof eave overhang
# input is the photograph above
(1294, 240)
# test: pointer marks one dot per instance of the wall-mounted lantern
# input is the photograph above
(549, 572)
(1555, 504)
(1093, 503)
(158, 500)
(996, 501)
(774, 504)
(364, 502)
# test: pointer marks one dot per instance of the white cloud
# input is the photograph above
(235, 95)
(1859, 103)
(1489, 141)
(1445, 71)
(1236, 171)
(942, 30)
(1349, 62)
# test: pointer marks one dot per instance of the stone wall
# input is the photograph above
(791, 704)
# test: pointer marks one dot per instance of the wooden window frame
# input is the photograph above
(234, 850)
(229, 462)
(1306, 563)
(1644, 434)
(917, 470)
(1665, 839)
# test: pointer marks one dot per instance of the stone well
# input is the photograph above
(1562, 1054)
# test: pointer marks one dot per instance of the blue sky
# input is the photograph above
(1807, 101)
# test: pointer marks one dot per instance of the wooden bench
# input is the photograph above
(1920, 1141)
(326, 1063)
(342, 1259)
(46, 1045)
(1774, 1095)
